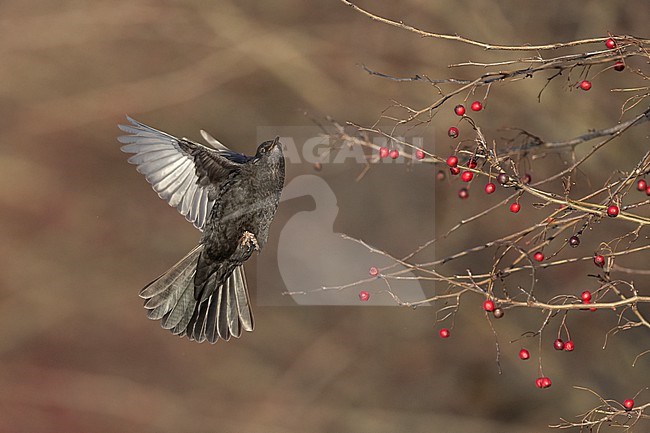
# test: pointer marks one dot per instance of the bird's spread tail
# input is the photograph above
(170, 299)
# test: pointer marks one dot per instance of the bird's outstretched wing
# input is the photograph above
(186, 174)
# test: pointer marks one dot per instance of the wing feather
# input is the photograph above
(186, 174)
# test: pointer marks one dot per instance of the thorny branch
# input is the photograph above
(568, 216)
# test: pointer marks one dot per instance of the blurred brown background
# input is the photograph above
(82, 232)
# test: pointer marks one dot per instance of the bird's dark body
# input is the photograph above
(233, 199)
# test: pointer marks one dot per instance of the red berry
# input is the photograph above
(393, 154)
(488, 305)
(502, 178)
(454, 170)
(383, 152)
(419, 154)
(585, 296)
(641, 185)
(610, 43)
(569, 346)
(444, 333)
(459, 110)
(453, 132)
(452, 161)
(463, 193)
(628, 404)
(558, 344)
(466, 176)
(599, 260)
(472, 163)
(619, 66)
(539, 256)
(574, 241)
(364, 296)
(524, 354)
(440, 175)
(585, 85)
(527, 179)
(612, 211)
(489, 188)
(373, 271)
(476, 106)
(515, 207)
(647, 190)
(543, 382)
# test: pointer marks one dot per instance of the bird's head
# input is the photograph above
(270, 153)
(270, 161)
(268, 148)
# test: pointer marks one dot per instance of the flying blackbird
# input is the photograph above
(232, 199)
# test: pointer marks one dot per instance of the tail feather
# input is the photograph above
(216, 324)
(181, 311)
(241, 298)
(196, 327)
(222, 325)
(232, 317)
(162, 283)
(171, 299)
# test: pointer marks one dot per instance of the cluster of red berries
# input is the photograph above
(384, 152)
(364, 295)
(466, 176)
(542, 381)
(619, 65)
(460, 109)
(559, 344)
(491, 307)
(574, 241)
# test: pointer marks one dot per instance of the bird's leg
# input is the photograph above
(249, 238)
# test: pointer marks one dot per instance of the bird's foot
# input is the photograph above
(249, 239)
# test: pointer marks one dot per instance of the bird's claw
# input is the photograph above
(249, 238)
